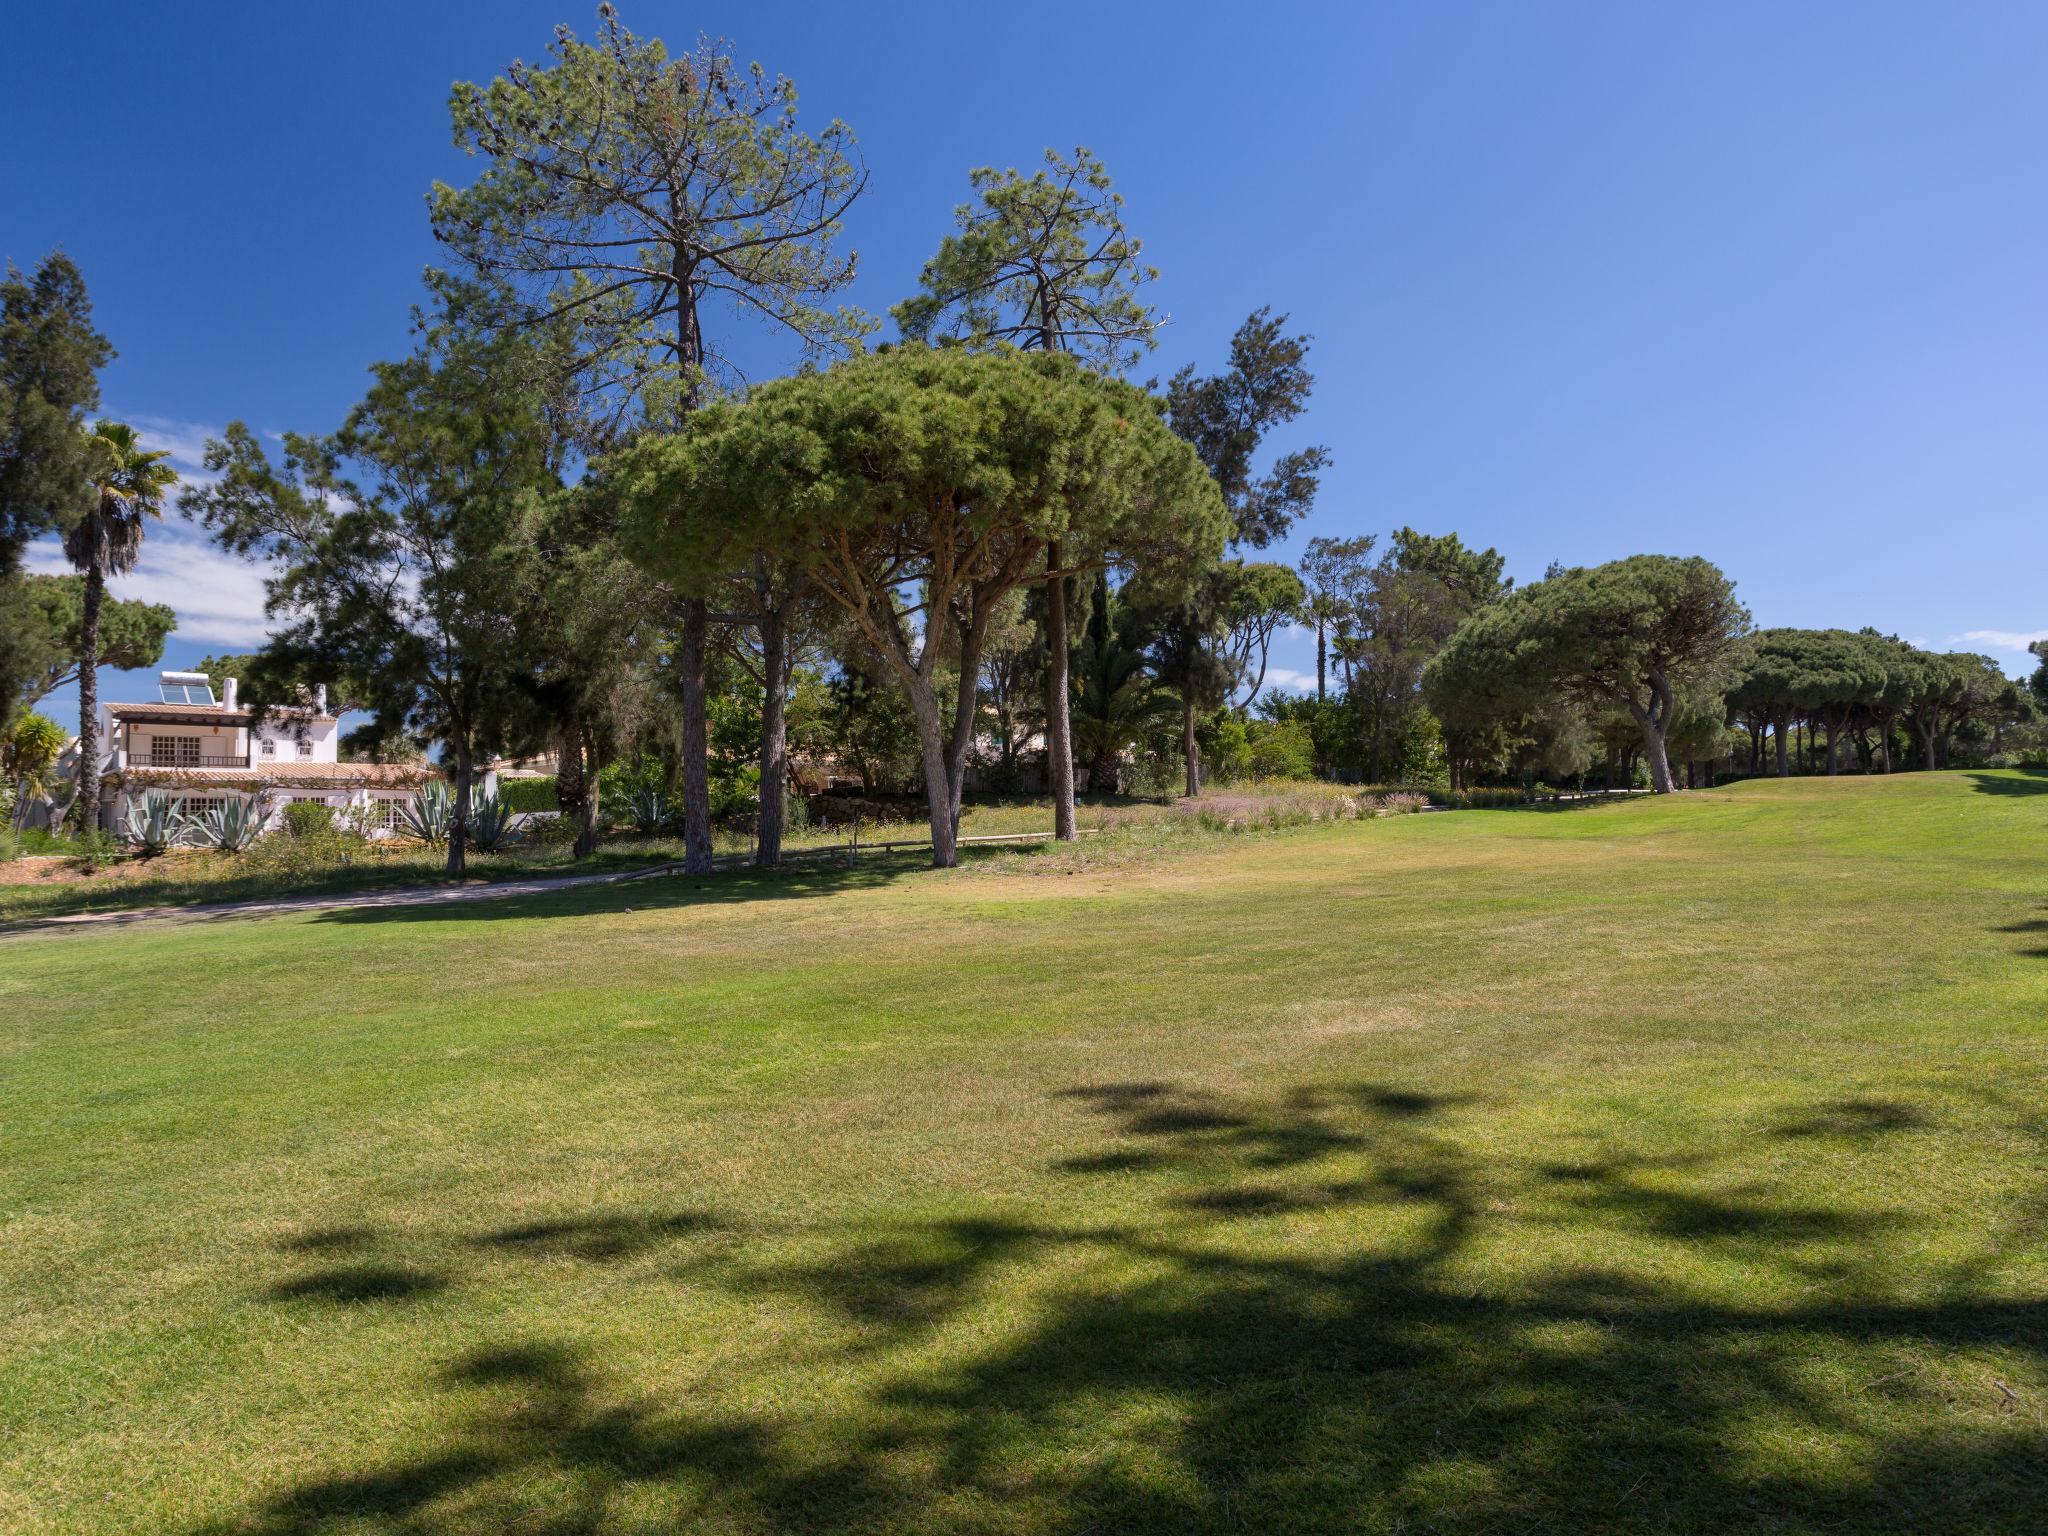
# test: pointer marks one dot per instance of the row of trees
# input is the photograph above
(564, 519)
(883, 516)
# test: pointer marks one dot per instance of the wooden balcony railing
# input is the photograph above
(140, 760)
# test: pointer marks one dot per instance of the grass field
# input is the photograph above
(1675, 1165)
(38, 888)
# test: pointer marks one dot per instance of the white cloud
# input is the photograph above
(184, 441)
(219, 599)
(2001, 639)
(1290, 680)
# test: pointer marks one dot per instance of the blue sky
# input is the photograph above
(1759, 282)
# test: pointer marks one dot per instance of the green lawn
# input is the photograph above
(191, 877)
(1675, 1165)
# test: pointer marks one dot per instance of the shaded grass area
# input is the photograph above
(188, 877)
(1649, 1166)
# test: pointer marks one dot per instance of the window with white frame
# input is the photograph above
(269, 747)
(384, 811)
(305, 748)
(173, 751)
(196, 806)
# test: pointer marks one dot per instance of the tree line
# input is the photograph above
(565, 519)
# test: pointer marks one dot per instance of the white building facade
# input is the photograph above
(204, 752)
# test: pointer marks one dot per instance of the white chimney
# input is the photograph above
(320, 699)
(227, 693)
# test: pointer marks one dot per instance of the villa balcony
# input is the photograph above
(152, 760)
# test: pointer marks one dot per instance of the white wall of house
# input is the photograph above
(197, 800)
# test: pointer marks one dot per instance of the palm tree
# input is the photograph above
(128, 484)
(1117, 703)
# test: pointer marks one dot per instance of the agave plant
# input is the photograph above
(490, 824)
(233, 828)
(154, 826)
(647, 809)
(427, 814)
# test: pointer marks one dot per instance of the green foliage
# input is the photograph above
(1227, 416)
(390, 537)
(1226, 747)
(1630, 634)
(29, 750)
(867, 725)
(1118, 707)
(128, 484)
(307, 818)
(649, 811)
(428, 814)
(234, 826)
(528, 795)
(50, 357)
(1044, 261)
(45, 616)
(587, 210)
(1258, 599)
(1280, 750)
(944, 472)
(1480, 799)
(489, 827)
(154, 826)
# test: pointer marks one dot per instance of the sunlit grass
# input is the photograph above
(1646, 1166)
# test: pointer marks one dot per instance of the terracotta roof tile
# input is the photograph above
(205, 714)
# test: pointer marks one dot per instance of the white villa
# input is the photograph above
(204, 752)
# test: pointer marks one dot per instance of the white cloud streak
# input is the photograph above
(218, 598)
(2001, 639)
(1291, 681)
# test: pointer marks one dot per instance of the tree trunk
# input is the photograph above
(1322, 661)
(586, 830)
(1927, 736)
(1660, 765)
(1059, 740)
(696, 743)
(774, 737)
(938, 792)
(1102, 770)
(1784, 767)
(964, 712)
(1834, 764)
(458, 824)
(1190, 748)
(1884, 746)
(89, 701)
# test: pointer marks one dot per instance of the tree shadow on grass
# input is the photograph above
(2011, 781)
(1338, 1308)
(2034, 927)
(663, 893)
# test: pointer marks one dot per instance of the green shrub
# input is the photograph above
(1226, 750)
(308, 818)
(548, 830)
(648, 810)
(233, 828)
(528, 796)
(1282, 751)
(427, 814)
(300, 855)
(153, 826)
(490, 824)
(1484, 799)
